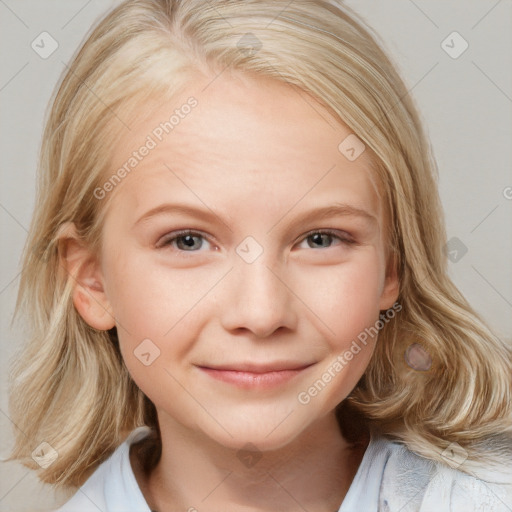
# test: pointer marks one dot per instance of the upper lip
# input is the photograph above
(259, 368)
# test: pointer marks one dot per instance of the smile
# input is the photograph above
(256, 378)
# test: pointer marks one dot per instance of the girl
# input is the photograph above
(236, 279)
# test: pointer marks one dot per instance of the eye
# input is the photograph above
(323, 238)
(184, 241)
(193, 241)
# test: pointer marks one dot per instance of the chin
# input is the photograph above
(264, 433)
(256, 440)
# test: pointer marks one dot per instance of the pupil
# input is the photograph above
(189, 240)
(317, 238)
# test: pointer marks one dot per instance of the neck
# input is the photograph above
(313, 472)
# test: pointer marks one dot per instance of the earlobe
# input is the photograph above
(391, 289)
(89, 297)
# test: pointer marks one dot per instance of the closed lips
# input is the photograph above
(251, 368)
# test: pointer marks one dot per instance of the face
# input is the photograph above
(241, 258)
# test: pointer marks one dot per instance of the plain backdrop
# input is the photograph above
(465, 102)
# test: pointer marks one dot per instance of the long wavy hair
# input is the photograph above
(69, 385)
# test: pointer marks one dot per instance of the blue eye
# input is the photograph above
(325, 235)
(193, 241)
(187, 241)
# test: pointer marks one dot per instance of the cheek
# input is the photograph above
(149, 299)
(154, 303)
(345, 298)
(346, 301)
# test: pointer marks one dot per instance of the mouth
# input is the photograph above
(249, 376)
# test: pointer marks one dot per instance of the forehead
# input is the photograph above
(254, 136)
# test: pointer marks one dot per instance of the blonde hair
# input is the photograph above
(70, 387)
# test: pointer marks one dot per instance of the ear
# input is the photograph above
(82, 265)
(391, 288)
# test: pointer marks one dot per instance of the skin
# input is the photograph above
(259, 154)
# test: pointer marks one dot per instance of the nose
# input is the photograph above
(258, 299)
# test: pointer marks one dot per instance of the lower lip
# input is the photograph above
(250, 380)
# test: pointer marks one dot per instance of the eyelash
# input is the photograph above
(180, 234)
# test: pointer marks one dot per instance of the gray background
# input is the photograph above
(466, 104)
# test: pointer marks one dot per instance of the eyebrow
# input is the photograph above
(335, 210)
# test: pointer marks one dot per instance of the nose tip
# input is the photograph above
(257, 300)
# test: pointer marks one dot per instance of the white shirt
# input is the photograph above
(390, 478)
